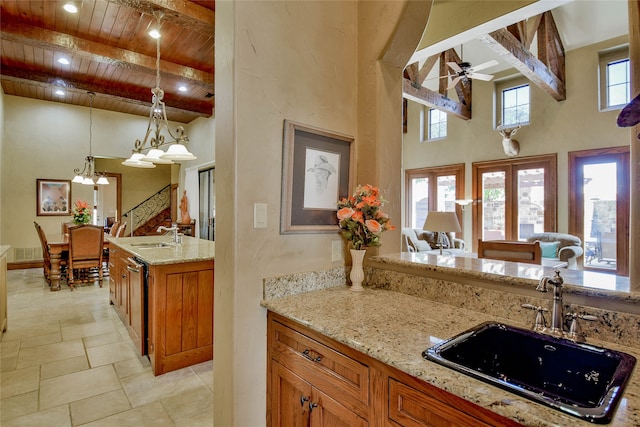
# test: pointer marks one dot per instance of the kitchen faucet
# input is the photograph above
(173, 228)
(557, 328)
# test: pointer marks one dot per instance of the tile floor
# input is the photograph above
(67, 360)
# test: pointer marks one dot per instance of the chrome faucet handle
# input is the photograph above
(541, 322)
(575, 332)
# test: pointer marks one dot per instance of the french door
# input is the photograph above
(599, 207)
(207, 203)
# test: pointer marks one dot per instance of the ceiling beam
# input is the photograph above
(183, 13)
(547, 76)
(129, 95)
(433, 99)
(93, 51)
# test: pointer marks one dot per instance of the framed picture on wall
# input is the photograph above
(318, 169)
(53, 197)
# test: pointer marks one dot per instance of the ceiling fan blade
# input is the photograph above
(484, 65)
(479, 76)
(455, 67)
(453, 83)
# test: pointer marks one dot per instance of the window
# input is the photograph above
(517, 197)
(437, 124)
(615, 78)
(432, 189)
(618, 84)
(515, 105)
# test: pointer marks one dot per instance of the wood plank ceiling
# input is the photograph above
(110, 53)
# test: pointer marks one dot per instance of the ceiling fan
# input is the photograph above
(466, 71)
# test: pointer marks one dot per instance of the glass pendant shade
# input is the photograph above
(102, 181)
(87, 181)
(178, 152)
(136, 161)
(155, 156)
(78, 179)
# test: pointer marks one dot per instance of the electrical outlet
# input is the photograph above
(336, 250)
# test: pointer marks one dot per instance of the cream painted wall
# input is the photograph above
(556, 127)
(2, 128)
(48, 140)
(300, 61)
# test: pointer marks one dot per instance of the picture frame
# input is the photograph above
(318, 169)
(53, 197)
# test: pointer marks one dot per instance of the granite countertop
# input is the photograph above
(191, 249)
(578, 282)
(396, 328)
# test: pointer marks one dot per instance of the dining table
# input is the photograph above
(59, 250)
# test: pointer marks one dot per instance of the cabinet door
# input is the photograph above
(136, 306)
(413, 408)
(326, 412)
(290, 397)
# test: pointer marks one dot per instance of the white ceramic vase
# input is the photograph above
(357, 273)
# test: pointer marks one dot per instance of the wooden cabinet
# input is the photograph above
(180, 303)
(315, 381)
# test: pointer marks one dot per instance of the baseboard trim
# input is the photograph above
(23, 264)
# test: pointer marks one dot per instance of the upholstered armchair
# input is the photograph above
(560, 246)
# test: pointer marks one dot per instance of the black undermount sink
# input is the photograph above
(576, 378)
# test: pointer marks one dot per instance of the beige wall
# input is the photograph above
(556, 127)
(301, 61)
(48, 140)
(2, 129)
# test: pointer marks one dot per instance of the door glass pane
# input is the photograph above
(207, 204)
(446, 193)
(419, 201)
(530, 202)
(493, 206)
(600, 215)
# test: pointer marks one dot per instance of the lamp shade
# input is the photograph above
(102, 181)
(136, 161)
(178, 152)
(78, 179)
(154, 156)
(442, 221)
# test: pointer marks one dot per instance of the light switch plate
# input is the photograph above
(259, 215)
(336, 250)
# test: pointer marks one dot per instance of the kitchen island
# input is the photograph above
(163, 292)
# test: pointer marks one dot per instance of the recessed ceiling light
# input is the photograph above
(70, 7)
(182, 88)
(59, 92)
(63, 61)
(154, 33)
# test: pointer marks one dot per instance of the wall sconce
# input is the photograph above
(464, 202)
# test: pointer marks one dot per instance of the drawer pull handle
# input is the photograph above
(303, 399)
(312, 405)
(307, 353)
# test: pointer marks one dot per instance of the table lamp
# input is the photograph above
(441, 222)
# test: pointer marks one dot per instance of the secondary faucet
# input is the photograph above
(557, 316)
(173, 228)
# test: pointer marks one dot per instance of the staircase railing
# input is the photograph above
(147, 209)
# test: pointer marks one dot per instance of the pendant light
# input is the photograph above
(88, 175)
(153, 140)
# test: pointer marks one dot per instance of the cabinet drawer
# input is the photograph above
(413, 408)
(337, 375)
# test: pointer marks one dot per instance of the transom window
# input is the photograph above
(515, 105)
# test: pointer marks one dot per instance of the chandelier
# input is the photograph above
(153, 141)
(88, 175)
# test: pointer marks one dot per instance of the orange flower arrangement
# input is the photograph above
(360, 218)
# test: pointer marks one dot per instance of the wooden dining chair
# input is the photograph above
(114, 228)
(85, 253)
(528, 252)
(46, 256)
(121, 229)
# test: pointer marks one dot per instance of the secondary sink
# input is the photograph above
(155, 245)
(580, 379)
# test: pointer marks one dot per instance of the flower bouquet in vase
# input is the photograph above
(361, 223)
(81, 212)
